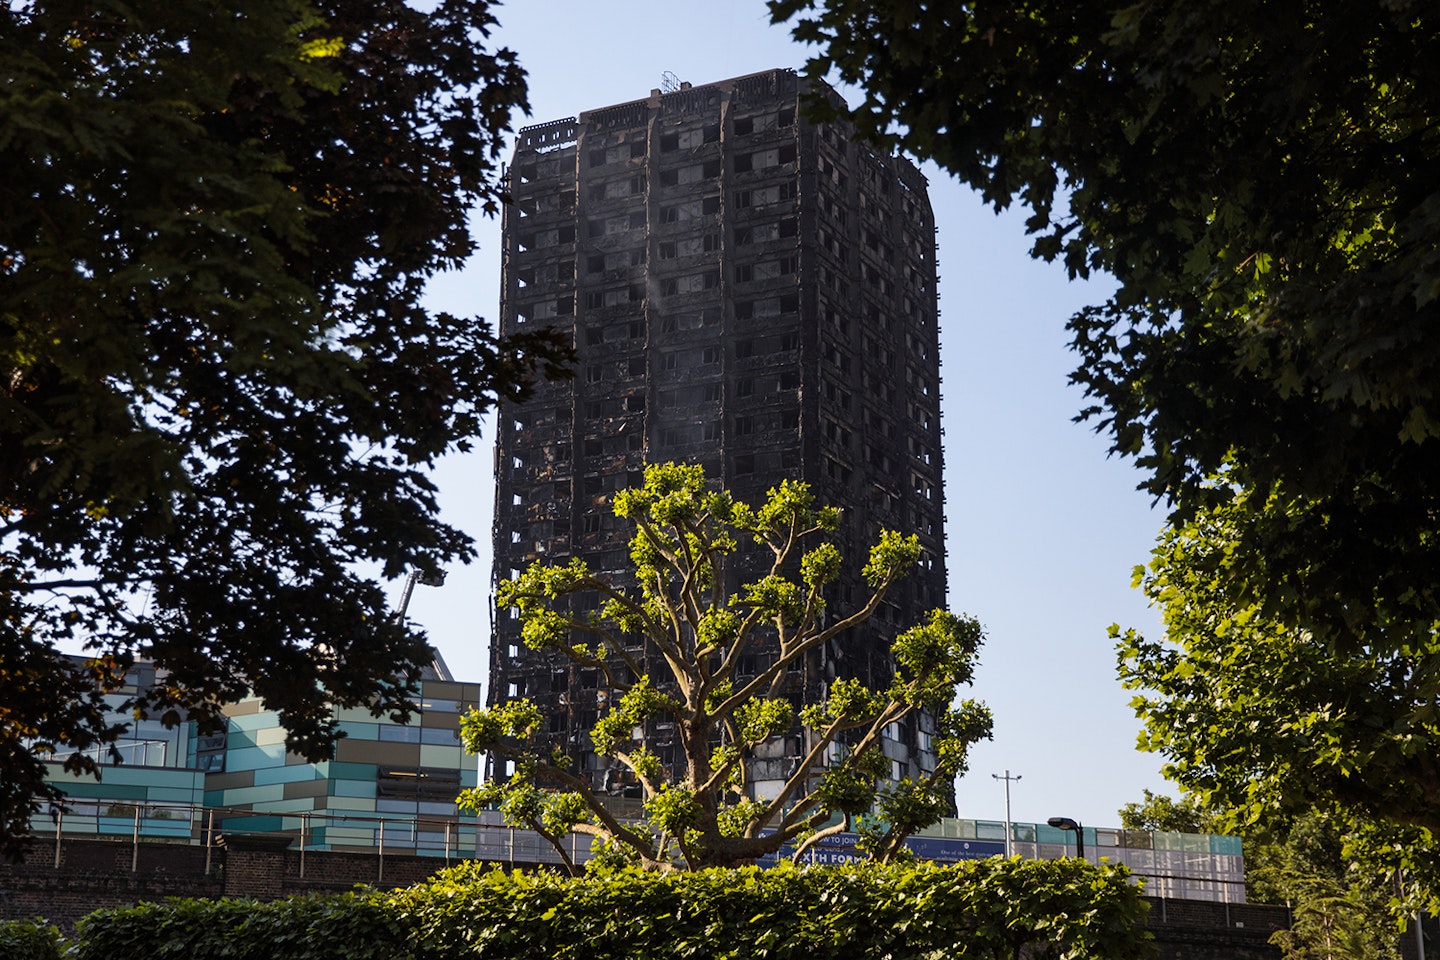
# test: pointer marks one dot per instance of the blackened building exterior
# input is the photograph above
(750, 291)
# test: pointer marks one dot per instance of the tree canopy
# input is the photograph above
(1339, 907)
(704, 811)
(1157, 812)
(219, 391)
(1261, 181)
(1262, 724)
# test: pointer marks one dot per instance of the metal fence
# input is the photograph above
(447, 838)
(1190, 874)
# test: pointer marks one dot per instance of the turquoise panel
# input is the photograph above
(352, 771)
(239, 740)
(173, 794)
(120, 825)
(255, 758)
(108, 791)
(151, 776)
(1226, 845)
(253, 824)
(1048, 834)
(253, 721)
(291, 774)
(352, 788)
(296, 805)
(360, 731)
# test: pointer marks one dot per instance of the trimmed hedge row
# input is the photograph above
(988, 908)
(28, 940)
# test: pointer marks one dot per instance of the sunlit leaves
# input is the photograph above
(891, 558)
(483, 729)
(758, 720)
(698, 802)
(673, 809)
(637, 705)
(1261, 720)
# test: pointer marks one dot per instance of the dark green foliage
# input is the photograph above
(1340, 907)
(1264, 724)
(1260, 180)
(219, 393)
(28, 940)
(353, 926)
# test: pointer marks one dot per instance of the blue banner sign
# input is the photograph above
(840, 848)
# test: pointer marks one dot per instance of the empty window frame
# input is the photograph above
(690, 173)
(690, 210)
(764, 159)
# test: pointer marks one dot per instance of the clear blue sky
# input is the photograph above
(1043, 529)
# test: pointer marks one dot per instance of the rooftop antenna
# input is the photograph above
(669, 83)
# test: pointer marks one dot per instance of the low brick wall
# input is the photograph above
(94, 874)
(1202, 930)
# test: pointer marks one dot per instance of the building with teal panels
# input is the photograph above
(390, 784)
(155, 787)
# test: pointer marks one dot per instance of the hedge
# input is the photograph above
(1052, 910)
(28, 940)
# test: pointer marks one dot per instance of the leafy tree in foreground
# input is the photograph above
(704, 813)
(218, 389)
(1265, 724)
(1340, 907)
(1260, 180)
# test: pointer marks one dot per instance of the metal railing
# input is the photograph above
(447, 838)
(484, 837)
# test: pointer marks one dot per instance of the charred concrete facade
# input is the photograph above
(749, 291)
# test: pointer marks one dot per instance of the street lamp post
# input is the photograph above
(1008, 830)
(1065, 823)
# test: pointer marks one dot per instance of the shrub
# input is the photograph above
(28, 940)
(993, 907)
(1044, 910)
(351, 926)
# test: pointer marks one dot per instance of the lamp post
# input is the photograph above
(1008, 831)
(1065, 823)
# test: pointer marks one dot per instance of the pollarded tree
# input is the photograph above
(702, 812)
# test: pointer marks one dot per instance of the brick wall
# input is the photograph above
(94, 874)
(1201, 930)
